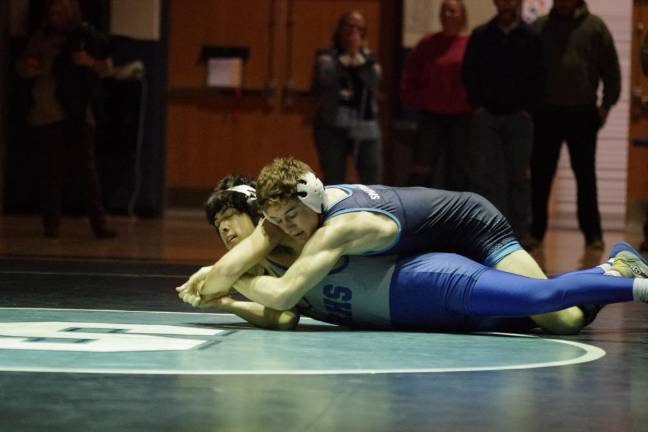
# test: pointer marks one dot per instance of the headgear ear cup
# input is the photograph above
(310, 191)
(246, 190)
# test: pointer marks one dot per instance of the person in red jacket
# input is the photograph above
(431, 83)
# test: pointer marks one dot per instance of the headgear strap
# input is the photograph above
(246, 190)
(310, 191)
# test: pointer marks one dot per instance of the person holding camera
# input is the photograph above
(64, 60)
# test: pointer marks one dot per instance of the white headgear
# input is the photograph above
(246, 190)
(310, 191)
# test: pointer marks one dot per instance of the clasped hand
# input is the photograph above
(191, 291)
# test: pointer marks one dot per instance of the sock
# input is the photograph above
(640, 290)
(606, 267)
(608, 270)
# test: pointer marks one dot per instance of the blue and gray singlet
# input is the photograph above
(433, 220)
(424, 292)
(444, 291)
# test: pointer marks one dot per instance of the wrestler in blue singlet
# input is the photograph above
(442, 291)
(433, 220)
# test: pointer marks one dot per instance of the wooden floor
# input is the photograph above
(318, 378)
(184, 236)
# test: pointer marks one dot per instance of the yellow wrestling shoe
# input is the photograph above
(630, 265)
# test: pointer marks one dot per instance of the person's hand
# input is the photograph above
(603, 115)
(189, 292)
(82, 58)
(32, 67)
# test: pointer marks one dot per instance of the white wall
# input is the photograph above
(140, 22)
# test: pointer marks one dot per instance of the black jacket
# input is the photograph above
(504, 73)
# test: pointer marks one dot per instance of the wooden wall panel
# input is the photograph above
(314, 23)
(207, 141)
(210, 133)
(217, 22)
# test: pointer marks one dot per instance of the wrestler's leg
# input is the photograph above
(505, 294)
(566, 321)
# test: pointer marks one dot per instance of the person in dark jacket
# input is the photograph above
(644, 67)
(579, 54)
(503, 73)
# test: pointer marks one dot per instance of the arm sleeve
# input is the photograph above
(537, 74)
(470, 71)
(32, 49)
(410, 79)
(609, 69)
(325, 73)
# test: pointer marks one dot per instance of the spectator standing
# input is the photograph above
(579, 54)
(63, 60)
(644, 67)
(503, 73)
(432, 84)
(346, 77)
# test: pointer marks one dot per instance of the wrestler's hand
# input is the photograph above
(189, 292)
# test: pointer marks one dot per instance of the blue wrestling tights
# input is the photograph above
(498, 293)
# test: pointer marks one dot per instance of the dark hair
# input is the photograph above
(222, 199)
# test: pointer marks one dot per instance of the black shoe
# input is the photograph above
(643, 247)
(590, 311)
(594, 245)
(105, 233)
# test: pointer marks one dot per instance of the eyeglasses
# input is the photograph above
(351, 27)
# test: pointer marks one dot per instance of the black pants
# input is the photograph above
(68, 149)
(579, 130)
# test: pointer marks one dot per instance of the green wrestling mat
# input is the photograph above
(138, 342)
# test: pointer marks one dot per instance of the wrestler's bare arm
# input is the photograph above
(240, 259)
(255, 313)
(349, 234)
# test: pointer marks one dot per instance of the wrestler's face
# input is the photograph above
(294, 218)
(233, 226)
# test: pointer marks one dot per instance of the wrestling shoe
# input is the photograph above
(628, 261)
(590, 312)
(621, 246)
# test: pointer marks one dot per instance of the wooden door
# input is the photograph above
(213, 132)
